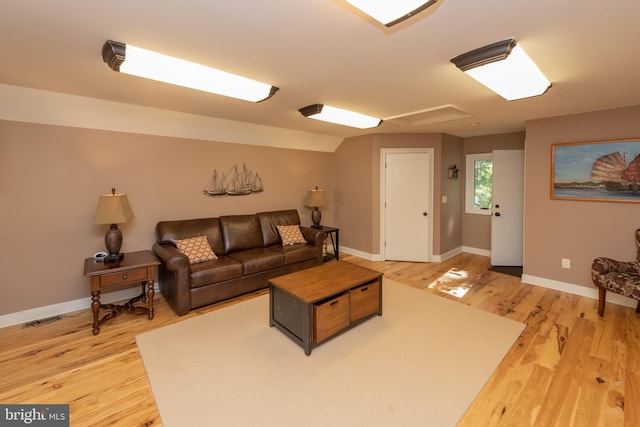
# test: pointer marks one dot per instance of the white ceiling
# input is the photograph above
(324, 51)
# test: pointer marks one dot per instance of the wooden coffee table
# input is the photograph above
(313, 305)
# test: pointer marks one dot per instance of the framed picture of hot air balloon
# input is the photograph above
(602, 171)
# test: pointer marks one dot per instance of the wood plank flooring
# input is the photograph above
(568, 368)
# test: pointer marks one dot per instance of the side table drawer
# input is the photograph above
(123, 277)
(365, 300)
(330, 317)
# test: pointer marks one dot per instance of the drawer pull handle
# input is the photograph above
(364, 289)
(124, 276)
(334, 302)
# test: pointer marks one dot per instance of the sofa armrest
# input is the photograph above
(316, 238)
(175, 277)
(171, 257)
(313, 236)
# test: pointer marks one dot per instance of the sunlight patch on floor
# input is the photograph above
(454, 282)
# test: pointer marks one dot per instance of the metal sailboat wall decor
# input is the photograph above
(236, 182)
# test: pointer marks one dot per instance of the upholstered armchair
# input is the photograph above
(617, 276)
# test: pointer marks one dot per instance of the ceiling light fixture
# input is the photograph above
(504, 68)
(390, 13)
(339, 116)
(140, 62)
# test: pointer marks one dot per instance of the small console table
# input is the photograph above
(135, 267)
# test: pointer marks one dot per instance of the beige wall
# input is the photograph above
(355, 206)
(577, 230)
(357, 178)
(51, 177)
(476, 228)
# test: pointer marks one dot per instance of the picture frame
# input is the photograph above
(600, 171)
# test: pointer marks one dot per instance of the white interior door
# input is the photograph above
(508, 208)
(407, 200)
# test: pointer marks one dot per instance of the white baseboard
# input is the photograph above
(476, 251)
(67, 307)
(578, 290)
(445, 256)
(532, 280)
(360, 254)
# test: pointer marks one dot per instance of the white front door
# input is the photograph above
(406, 206)
(508, 208)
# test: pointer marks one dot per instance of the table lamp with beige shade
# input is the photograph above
(113, 209)
(315, 199)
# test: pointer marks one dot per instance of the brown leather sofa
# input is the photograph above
(249, 252)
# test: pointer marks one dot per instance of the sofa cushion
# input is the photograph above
(197, 249)
(258, 259)
(270, 220)
(290, 235)
(219, 270)
(296, 253)
(240, 232)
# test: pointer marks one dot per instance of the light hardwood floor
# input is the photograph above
(568, 368)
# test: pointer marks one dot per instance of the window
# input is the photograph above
(479, 180)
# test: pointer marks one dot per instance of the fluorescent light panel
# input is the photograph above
(141, 62)
(339, 116)
(506, 69)
(390, 13)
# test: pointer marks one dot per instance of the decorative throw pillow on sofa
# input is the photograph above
(197, 249)
(290, 235)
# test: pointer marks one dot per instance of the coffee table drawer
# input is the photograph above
(365, 300)
(330, 317)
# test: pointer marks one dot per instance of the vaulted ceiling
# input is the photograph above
(324, 51)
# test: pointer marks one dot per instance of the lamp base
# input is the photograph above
(316, 216)
(113, 242)
(113, 258)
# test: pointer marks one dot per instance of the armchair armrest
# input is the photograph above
(602, 266)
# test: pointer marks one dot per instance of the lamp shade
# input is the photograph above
(505, 68)
(141, 62)
(113, 208)
(315, 198)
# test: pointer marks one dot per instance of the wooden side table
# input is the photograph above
(135, 267)
(335, 242)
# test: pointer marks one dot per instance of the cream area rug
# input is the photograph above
(421, 364)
